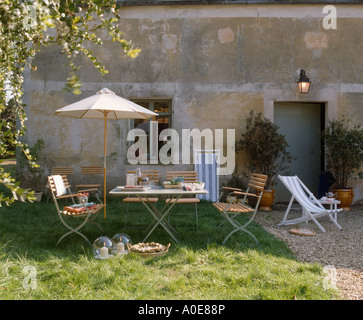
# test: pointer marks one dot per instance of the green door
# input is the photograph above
(301, 125)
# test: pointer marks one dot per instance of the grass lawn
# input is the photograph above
(198, 268)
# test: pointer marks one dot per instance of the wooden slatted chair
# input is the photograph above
(152, 175)
(89, 173)
(189, 177)
(230, 211)
(60, 189)
(68, 171)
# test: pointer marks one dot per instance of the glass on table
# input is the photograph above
(130, 179)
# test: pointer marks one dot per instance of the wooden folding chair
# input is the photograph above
(152, 175)
(60, 189)
(90, 174)
(189, 177)
(68, 171)
(230, 211)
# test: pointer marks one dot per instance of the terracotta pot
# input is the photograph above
(38, 196)
(231, 199)
(345, 196)
(267, 200)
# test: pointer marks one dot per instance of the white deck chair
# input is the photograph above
(311, 207)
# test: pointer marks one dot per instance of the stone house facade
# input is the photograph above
(206, 65)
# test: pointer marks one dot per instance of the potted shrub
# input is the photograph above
(266, 150)
(344, 155)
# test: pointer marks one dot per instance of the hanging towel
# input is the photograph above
(59, 185)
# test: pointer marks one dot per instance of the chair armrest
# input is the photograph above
(75, 194)
(246, 193)
(229, 188)
(88, 185)
(67, 196)
(85, 190)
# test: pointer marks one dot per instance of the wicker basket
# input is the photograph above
(148, 254)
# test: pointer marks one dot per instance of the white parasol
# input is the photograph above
(105, 104)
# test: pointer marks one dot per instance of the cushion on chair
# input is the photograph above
(59, 185)
(69, 211)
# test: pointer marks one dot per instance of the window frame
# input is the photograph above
(151, 106)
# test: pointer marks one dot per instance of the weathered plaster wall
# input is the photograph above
(217, 62)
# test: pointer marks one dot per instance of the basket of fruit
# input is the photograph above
(149, 249)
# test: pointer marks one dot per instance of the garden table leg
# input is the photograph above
(160, 216)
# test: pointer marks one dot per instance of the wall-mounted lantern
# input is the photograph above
(303, 83)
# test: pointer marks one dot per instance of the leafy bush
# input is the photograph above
(343, 150)
(265, 147)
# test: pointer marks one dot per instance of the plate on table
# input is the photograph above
(132, 188)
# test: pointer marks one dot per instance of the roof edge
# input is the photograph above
(124, 3)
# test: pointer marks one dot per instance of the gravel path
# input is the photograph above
(341, 250)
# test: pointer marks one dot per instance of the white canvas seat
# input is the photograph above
(312, 209)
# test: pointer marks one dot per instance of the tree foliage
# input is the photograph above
(343, 150)
(26, 27)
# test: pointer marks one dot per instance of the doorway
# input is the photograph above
(301, 124)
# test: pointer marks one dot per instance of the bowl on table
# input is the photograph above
(199, 185)
(189, 186)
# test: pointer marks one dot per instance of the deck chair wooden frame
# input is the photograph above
(60, 189)
(151, 174)
(230, 211)
(87, 171)
(312, 209)
(189, 177)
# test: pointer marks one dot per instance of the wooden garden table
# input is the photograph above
(159, 215)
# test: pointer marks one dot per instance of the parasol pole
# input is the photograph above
(104, 167)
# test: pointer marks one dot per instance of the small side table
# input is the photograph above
(333, 205)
